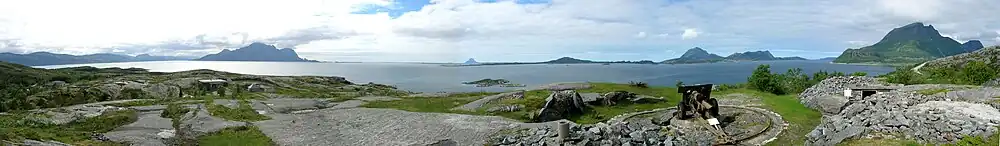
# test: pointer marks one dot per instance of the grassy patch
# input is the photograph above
(243, 113)
(932, 91)
(136, 103)
(236, 136)
(18, 126)
(801, 120)
(430, 104)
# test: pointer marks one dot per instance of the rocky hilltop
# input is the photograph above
(912, 43)
(256, 52)
(925, 113)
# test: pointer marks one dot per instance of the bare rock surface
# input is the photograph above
(472, 106)
(389, 127)
(150, 129)
(377, 98)
(285, 105)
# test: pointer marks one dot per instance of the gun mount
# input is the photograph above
(697, 102)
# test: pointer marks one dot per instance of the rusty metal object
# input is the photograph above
(697, 102)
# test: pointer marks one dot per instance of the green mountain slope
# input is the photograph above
(912, 43)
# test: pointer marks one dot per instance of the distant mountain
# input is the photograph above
(695, 55)
(46, 58)
(972, 45)
(698, 55)
(567, 60)
(912, 43)
(256, 52)
(471, 61)
(147, 57)
(827, 58)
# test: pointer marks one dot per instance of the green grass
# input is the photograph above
(430, 104)
(17, 127)
(965, 141)
(932, 91)
(243, 112)
(236, 136)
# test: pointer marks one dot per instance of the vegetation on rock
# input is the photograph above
(19, 126)
(236, 136)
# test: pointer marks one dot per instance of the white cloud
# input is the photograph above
(641, 34)
(453, 30)
(689, 34)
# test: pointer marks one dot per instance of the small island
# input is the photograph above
(493, 82)
(563, 60)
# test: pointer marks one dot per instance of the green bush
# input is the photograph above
(763, 80)
(859, 74)
(903, 75)
(977, 73)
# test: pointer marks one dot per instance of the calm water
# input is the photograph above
(433, 78)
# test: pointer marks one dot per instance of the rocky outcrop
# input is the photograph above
(200, 122)
(827, 95)
(986, 55)
(472, 106)
(149, 130)
(612, 98)
(124, 91)
(505, 108)
(938, 118)
(559, 105)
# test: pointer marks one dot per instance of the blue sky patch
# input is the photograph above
(399, 7)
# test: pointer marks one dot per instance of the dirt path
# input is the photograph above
(917, 69)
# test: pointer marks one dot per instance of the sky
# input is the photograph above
(487, 30)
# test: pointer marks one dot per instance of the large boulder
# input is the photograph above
(612, 98)
(559, 105)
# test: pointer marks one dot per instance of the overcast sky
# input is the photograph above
(488, 30)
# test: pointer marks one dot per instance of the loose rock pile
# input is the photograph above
(638, 132)
(927, 118)
(827, 95)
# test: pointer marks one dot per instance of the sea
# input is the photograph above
(422, 77)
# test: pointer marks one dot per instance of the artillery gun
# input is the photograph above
(697, 103)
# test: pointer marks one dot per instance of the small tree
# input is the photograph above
(859, 74)
(680, 83)
(221, 91)
(763, 80)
